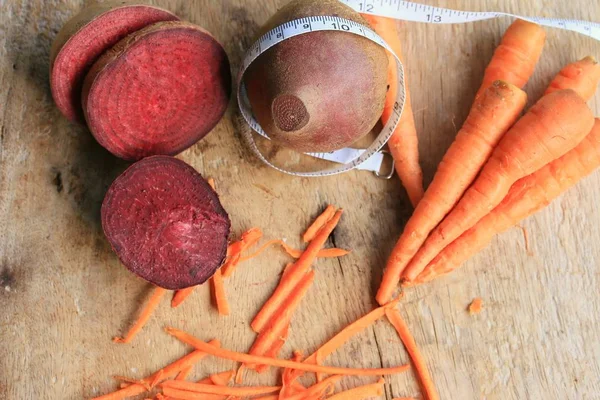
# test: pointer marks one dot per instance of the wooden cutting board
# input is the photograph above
(63, 294)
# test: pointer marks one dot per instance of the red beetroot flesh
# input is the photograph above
(158, 91)
(78, 53)
(166, 223)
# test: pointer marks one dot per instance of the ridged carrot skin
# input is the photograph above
(491, 116)
(582, 76)
(516, 56)
(526, 197)
(404, 143)
(552, 127)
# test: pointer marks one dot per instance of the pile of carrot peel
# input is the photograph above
(503, 165)
(272, 323)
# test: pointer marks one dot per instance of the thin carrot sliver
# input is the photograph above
(318, 223)
(427, 385)
(476, 306)
(275, 349)
(296, 272)
(248, 239)
(168, 372)
(219, 293)
(317, 390)
(282, 317)
(180, 295)
(239, 375)
(361, 392)
(211, 183)
(226, 390)
(184, 373)
(145, 315)
(296, 253)
(222, 378)
(276, 362)
(187, 395)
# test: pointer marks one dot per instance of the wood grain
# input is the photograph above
(63, 294)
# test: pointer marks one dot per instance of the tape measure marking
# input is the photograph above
(347, 158)
(408, 11)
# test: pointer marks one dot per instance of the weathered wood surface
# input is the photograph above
(63, 294)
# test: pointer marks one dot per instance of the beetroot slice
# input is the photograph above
(166, 223)
(84, 38)
(158, 91)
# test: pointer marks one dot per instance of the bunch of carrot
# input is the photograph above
(502, 166)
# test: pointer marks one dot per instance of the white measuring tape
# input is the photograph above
(371, 159)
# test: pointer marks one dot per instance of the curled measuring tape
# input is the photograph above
(371, 158)
(348, 158)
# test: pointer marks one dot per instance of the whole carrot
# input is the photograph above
(404, 143)
(582, 76)
(515, 58)
(526, 197)
(492, 114)
(553, 126)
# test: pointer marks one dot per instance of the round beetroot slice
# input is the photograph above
(166, 223)
(84, 38)
(158, 91)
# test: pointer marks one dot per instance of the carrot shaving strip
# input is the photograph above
(145, 315)
(181, 295)
(219, 295)
(296, 253)
(168, 372)
(361, 392)
(184, 373)
(125, 382)
(187, 395)
(318, 390)
(226, 390)
(345, 334)
(239, 375)
(159, 377)
(296, 272)
(222, 378)
(274, 350)
(211, 183)
(281, 320)
(276, 362)
(248, 239)
(318, 223)
(427, 385)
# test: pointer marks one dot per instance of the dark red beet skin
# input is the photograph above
(158, 91)
(166, 223)
(84, 38)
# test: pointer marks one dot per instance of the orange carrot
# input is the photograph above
(553, 126)
(222, 378)
(427, 385)
(318, 223)
(276, 362)
(515, 58)
(296, 273)
(168, 372)
(281, 320)
(491, 116)
(226, 390)
(211, 183)
(582, 76)
(219, 295)
(404, 143)
(184, 373)
(525, 198)
(248, 239)
(317, 390)
(475, 306)
(276, 347)
(180, 295)
(296, 253)
(361, 392)
(187, 395)
(345, 334)
(145, 315)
